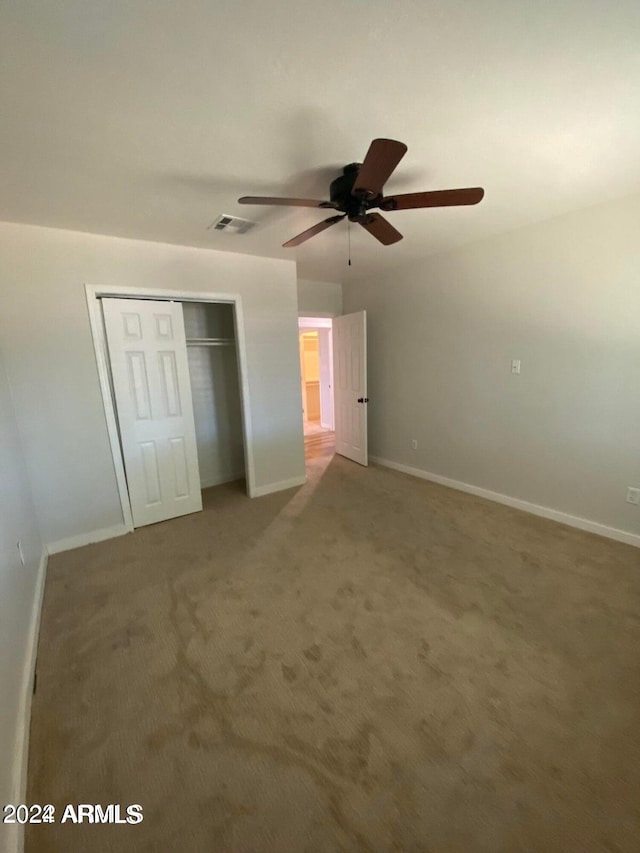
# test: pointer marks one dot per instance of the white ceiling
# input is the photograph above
(148, 119)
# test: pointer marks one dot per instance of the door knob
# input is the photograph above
(363, 399)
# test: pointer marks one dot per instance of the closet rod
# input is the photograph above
(210, 342)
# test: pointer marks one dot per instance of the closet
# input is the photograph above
(176, 389)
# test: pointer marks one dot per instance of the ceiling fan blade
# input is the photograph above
(381, 229)
(291, 202)
(439, 198)
(382, 158)
(311, 232)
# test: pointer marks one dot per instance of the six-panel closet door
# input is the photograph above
(150, 372)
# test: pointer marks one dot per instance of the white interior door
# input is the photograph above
(150, 371)
(350, 385)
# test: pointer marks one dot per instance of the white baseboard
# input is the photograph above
(260, 491)
(82, 539)
(21, 751)
(516, 503)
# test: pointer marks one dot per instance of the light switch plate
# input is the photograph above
(633, 495)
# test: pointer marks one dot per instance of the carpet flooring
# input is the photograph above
(368, 663)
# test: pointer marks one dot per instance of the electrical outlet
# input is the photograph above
(515, 365)
(414, 444)
(20, 551)
(633, 495)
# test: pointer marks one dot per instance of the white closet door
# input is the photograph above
(350, 385)
(150, 371)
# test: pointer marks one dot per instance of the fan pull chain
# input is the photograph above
(349, 233)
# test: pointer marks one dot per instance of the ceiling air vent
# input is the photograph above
(231, 224)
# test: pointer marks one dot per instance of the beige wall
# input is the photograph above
(18, 597)
(563, 296)
(319, 298)
(45, 330)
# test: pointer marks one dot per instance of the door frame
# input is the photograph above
(94, 293)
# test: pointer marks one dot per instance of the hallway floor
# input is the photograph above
(318, 445)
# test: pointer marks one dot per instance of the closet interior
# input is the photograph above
(215, 389)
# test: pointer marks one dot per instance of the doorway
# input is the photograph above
(339, 352)
(315, 336)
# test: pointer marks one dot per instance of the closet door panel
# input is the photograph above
(139, 385)
(169, 382)
(150, 373)
(150, 472)
(180, 468)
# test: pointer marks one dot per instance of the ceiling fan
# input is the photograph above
(359, 189)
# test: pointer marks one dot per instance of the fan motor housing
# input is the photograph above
(340, 194)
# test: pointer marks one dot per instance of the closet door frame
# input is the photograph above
(94, 294)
